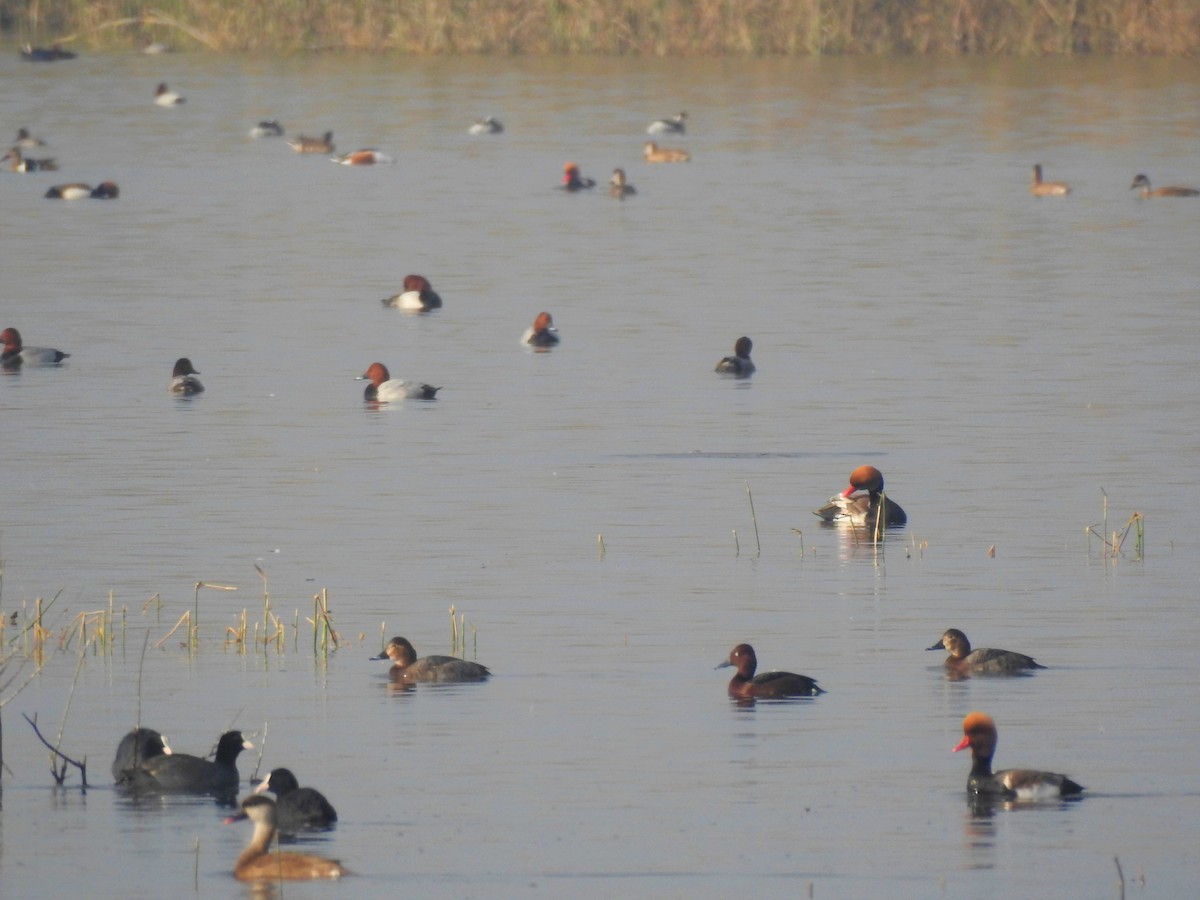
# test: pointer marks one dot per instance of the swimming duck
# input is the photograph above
(107, 190)
(26, 141)
(418, 295)
(297, 809)
(769, 685)
(165, 97)
(183, 378)
(573, 181)
(542, 333)
(385, 389)
(979, 733)
(963, 660)
(182, 773)
(302, 144)
(860, 501)
(266, 129)
(1041, 188)
(673, 125)
(15, 353)
(45, 54)
(407, 667)
(486, 125)
(617, 187)
(22, 163)
(1143, 182)
(258, 863)
(362, 158)
(651, 152)
(138, 745)
(739, 365)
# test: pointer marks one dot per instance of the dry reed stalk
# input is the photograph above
(754, 519)
(634, 27)
(603, 550)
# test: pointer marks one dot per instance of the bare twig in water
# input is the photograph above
(81, 766)
(754, 519)
(1120, 879)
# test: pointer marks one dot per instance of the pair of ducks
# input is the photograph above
(324, 144)
(1040, 188)
(618, 186)
(745, 685)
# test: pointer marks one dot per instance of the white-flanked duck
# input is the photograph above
(183, 378)
(486, 125)
(979, 733)
(16, 354)
(106, 190)
(164, 96)
(417, 295)
(542, 333)
(739, 365)
(267, 128)
(859, 503)
(386, 389)
(672, 125)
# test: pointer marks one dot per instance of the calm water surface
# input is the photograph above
(1007, 363)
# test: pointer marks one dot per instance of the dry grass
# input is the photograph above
(625, 27)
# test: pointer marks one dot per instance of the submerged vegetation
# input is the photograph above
(623, 27)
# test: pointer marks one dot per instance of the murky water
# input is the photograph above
(1005, 361)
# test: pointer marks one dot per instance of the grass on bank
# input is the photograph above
(621, 27)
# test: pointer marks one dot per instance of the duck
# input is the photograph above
(106, 190)
(30, 53)
(302, 144)
(183, 378)
(366, 157)
(740, 365)
(1041, 188)
(672, 125)
(21, 163)
(182, 773)
(258, 863)
(486, 125)
(163, 96)
(860, 501)
(1143, 182)
(26, 141)
(617, 187)
(979, 733)
(15, 353)
(407, 667)
(385, 389)
(417, 295)
(651, 152)
(297, 808)
(745, 685)
(267, 128)
(984, 660)
(542, 333)
(135, 747)
(573, 181)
